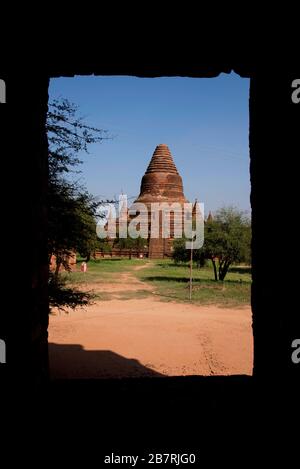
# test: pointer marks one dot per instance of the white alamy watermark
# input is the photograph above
(2, 351)
(296, 352)
(296, 92)
(2, 91)
(154, 220)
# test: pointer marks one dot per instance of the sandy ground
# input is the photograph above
(125, 282)
(147, 337)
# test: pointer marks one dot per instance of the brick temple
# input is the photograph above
(161, 183)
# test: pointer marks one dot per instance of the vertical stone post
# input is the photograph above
(274, 138)
(25, 221)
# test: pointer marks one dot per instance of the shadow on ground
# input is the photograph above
(241, 270)
(165, 278)
(73, 361)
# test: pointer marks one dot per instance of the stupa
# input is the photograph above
(161, 183)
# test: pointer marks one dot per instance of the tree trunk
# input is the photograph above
(221, 265)
(224, 271)
(215, 269)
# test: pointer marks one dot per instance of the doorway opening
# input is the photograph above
(156, 134)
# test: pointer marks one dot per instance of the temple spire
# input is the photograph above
(162, 161)
(161, 181)
(209, 217)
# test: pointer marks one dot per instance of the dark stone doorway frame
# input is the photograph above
(273, 132)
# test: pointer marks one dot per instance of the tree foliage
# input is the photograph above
(227, 238)
(181, 254)
(130, 244)
(68, 136)
(64, 297)
(72, 210)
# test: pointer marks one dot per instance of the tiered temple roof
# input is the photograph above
(161, 181)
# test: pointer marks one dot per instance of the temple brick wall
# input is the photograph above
(161, 183)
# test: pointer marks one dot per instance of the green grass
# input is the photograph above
(102, 271)
(170, 282)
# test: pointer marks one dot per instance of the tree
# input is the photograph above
(72, 224)
(227, 238)
(63, 297)
(68, 136)
(130, 244)
(181, 254)
(71, 209)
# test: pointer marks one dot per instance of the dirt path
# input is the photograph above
(147, 337)
(125, 282)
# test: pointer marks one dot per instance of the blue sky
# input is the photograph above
(205, 123)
